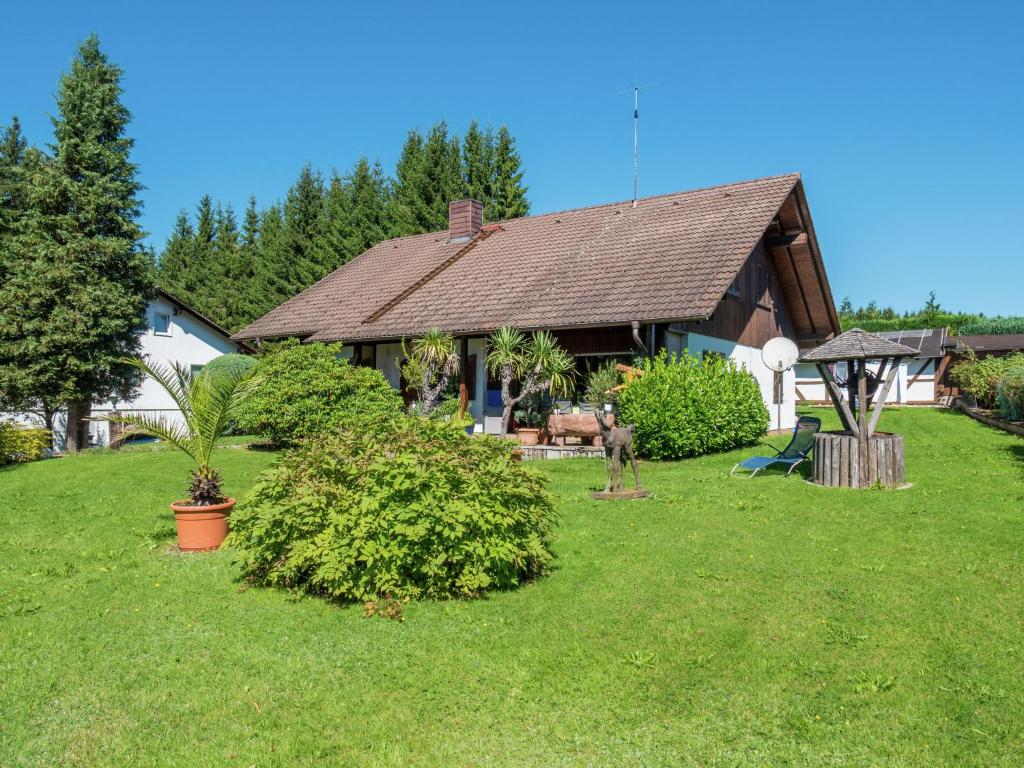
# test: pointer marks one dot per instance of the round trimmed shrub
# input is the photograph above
(414, 509)
(682, 406)
(229, 364)
(303, 390)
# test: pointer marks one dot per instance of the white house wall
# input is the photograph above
(750, 359)
(189, 342)
(914, 383)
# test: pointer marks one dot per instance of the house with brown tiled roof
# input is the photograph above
(718, 270)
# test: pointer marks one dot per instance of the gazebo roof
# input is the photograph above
(856, 344)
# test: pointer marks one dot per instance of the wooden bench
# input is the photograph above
(581, 425)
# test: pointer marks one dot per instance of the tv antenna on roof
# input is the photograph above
(636, 121)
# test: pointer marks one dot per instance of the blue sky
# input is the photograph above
(904, 118)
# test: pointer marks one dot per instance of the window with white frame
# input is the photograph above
(161, 324)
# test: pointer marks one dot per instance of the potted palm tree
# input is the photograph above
(208, 405)
(538, 363)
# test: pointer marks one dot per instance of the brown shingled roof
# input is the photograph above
(671, 257)
(856, 344)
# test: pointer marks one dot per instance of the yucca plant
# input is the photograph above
(538, 362)
(431, 360)
(208, 406)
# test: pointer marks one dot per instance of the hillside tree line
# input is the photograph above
(874, 318)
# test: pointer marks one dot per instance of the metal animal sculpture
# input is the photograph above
(618, 447)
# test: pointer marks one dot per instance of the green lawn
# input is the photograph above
(721, 622)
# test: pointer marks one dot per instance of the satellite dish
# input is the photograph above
(780, 353)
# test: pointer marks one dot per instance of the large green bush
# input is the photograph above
(416, 508)
(1010, 394)
(682, 406)
(303, 390)
(230, 364)
(978, 378)
(20, 443)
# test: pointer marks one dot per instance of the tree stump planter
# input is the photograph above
(840, 463)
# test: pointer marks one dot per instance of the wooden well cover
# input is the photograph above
(839, 462)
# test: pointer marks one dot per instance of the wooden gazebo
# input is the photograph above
(858, 457)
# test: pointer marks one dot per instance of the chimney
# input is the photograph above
(465, 217)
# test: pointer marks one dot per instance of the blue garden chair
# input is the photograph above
(799, 448)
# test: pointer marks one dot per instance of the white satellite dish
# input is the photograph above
(780, 354)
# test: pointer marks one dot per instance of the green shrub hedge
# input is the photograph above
(230, 363)
(979, 378)
(20, 443)
(414, 509)
(307, 389)
(682, 406)
(1010, 394)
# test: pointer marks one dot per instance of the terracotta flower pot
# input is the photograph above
(528, 436)
(201, 528)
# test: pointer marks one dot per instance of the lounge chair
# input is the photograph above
(800, 446)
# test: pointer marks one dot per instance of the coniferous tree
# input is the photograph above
(13, 148)
(478, 164)
(176, 268)
(247, 257)
(270, 285)
(509, 200)
(331, 242)
(367, 213)
(409, 212)
(303, 227)
(79, 281)
(442, 168)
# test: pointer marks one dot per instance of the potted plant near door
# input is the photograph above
(531, 420)
(209, 405)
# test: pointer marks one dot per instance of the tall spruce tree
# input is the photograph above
(366, 208)
(478, 165)
(270, 285)
(241, 305)
(442, 167)
(176, 269)
(409, 212)
(509, 201)
(13, 148)
(303, 228)
(79, 279)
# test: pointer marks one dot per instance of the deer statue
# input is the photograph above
(618, 447)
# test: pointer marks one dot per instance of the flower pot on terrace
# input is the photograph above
(201, 528)
(528, 435)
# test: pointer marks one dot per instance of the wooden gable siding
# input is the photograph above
(790, 240)
(749, 319)
(611, 340)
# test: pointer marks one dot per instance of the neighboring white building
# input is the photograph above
(915, 382)
(176, 333)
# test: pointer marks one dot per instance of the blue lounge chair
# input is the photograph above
(799, 448)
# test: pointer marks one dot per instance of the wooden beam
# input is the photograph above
(880, 399)
(786, 240)
(463, 374)
(841, 406)
(863, 440)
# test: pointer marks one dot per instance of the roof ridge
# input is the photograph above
(595, 206)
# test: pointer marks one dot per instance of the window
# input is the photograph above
(161, 324)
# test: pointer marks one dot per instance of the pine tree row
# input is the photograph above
(234, 275)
